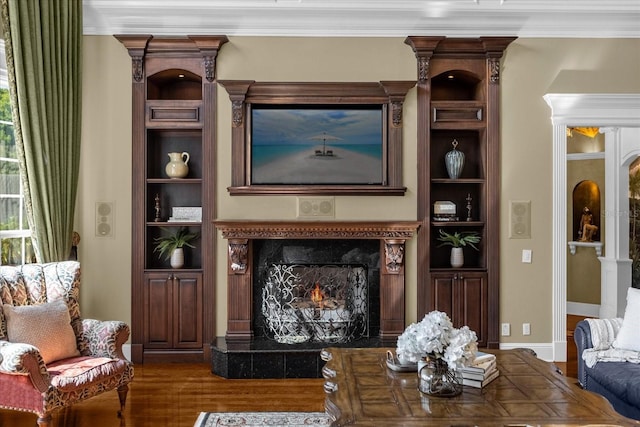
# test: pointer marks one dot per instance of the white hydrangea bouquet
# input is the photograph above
(436, 338)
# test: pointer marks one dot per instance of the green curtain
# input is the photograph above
(43, 48)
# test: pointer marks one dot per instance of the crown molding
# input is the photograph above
(594, 109)
(365, 18)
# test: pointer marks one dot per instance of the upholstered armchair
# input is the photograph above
(49, 356)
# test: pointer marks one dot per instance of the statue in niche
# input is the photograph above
(587, 228)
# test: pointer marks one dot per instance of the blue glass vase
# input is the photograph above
(454, 160)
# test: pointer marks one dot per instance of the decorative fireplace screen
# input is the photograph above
(320, 303)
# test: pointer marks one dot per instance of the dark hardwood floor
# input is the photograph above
(571, 367)
(173, 395)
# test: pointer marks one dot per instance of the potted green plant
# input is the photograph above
(171, 246)
(457, 241)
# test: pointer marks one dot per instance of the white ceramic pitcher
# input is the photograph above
(178, 166)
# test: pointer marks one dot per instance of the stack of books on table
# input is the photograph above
(481, 372)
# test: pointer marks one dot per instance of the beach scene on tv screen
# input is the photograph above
(315, 146)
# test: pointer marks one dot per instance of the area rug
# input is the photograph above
(273, 419)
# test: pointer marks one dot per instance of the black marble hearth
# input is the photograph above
(264, 358)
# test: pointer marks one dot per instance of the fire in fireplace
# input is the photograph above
(317, 302)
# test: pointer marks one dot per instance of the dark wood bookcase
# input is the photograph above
(458, 95)
(173, 108)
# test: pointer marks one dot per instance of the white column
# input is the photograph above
(621, 148)
(559, 248)
(599, 110)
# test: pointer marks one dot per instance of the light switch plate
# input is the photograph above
(506, 329)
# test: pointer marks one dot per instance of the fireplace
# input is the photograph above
(297, 287)
(316, 290)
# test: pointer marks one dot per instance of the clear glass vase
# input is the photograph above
(435, 378)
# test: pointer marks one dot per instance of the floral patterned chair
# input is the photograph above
(49, 356)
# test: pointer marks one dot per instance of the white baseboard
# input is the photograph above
(126, 350)
(582, 309)
(544, 351)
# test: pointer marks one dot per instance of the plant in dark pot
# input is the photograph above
(171, 246)
(457, 241)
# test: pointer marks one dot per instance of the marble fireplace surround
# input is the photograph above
(240, 235)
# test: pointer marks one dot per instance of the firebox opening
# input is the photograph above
(316, 291)
(318, 303)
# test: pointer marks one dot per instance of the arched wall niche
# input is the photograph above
(618, 117)
(586, 211)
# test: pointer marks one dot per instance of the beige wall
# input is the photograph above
(105, 176)
(531, 68)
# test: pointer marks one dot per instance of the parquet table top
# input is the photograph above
(362, 391)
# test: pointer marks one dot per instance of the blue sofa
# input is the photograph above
(619, 382)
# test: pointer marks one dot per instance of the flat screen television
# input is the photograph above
(317, 144)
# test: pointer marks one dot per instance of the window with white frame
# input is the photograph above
(15, 236)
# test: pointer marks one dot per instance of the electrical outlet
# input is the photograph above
(526, 256)
(526, 329)
(506, 329)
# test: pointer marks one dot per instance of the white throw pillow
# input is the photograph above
(629, 336)
(45, 326)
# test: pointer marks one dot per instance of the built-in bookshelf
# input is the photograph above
(458, 109)
(173, 96)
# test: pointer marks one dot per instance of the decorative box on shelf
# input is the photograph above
(444, 211)
(186, 214)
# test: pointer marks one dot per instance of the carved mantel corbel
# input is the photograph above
(238, 256)
(394, 256)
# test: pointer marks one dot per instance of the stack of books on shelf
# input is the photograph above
(481, 372)
(186, 214)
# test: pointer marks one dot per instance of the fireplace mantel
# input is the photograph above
(240, 235)
(317, 229)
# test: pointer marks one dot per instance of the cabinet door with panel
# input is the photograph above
(463, 295)
(187, 310)
(173, 303)
(158, 305)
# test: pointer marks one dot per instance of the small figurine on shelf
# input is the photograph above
(468, 199)
(157, 199)
(587, 228)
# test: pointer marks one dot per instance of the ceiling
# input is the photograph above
(366, 18)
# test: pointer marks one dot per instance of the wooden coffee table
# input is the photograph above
(362, 391)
